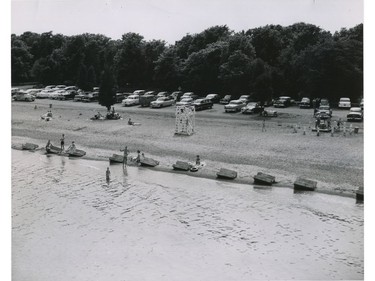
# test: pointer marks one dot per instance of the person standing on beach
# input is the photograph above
(108, 174)
(198, 160)
(138, 159)
(62, 142)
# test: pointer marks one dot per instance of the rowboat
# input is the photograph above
(304, 184)
(115, 158)
(53, 149)
(264, 179)
(29, 146)
(226, 174)
(76, 153)
(148, 162)
(181, 165)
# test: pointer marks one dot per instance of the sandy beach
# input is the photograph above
(232, 141)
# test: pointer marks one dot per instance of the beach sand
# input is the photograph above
(221, 140)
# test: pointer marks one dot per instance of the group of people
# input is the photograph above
(71, 147)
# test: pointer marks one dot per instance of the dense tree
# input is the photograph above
(269, 61)
(107, 93)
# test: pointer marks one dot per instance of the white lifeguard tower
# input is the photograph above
(185, 120)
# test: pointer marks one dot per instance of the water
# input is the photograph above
(69, 224)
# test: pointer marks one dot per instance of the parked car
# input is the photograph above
(176, 95)
(283, 101)
(49, 87)
(162, 94)
(324, 101)
(234, 106)
(305, 103)
(67, 95)
(150, 93)
(80, 96)
(251, 107)
(324, 110)
(44, 94)
(56, 94)
(201, 104)
(59, 87)
(146, 100)
(245, 98)
(355, 114)
(130, 100)
(22, 96)
(189, 95)
(162, 102)
(33, 91)
(345, 103)
(119, 97)
(139, 92)
(185, 102)
(226, 99)
(215, 98)
(91, 97)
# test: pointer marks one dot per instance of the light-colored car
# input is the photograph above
(251, 107)
(22, 96)
(345, 103)
(226, 99)
(325, 110)
(131, 100)
(234, 106)
(355, 114)
(189, 95)
(44, 94)
(139, 92)
(185, 102)
(245, 98)
(162, 94)
(57, 94)
(305, 103)
(162, 102)
(59, 87)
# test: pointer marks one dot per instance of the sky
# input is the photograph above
(170, 20)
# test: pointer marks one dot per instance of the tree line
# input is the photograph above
(297, 60)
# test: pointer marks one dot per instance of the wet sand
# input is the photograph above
(232, 141)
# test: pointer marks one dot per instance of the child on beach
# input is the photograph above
(62, 142)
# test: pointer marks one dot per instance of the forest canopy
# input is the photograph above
(297, 60)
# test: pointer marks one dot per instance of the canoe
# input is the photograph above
(181, 165)
(116, 158)
(148, 162)
(76, 153)
(304, 184)
(264, 179)
(53, 149)
(29, 146)
(226, 174)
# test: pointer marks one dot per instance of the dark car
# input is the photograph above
(283, 101)
(215, 98)
(251, 108)
(226, 99)
(201, 104)
(146, 100)
(91, 97)
(119, 97)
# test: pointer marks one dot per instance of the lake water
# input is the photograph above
(69, 224)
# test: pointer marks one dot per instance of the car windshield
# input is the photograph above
(355, 109)
(345, 99)
(210, 96)
(162, 99)
(186, 100)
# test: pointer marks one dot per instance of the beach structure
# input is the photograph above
(226, 174)
(185, 120)
(181, 165)
(116, 158)
(148, 162)
(264, 179)
(304, 184)
(29, 146)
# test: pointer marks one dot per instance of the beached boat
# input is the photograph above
(181, 165)
(76, 153)
(148, 162)
(264, 179)
(116, 158)
(304, 184)
(53, 149)
(29, 146)
(226, 174)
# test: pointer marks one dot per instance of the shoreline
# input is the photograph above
(222, 140)
(205, 172)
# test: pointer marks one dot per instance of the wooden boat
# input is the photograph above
(264, 179)
(53, 149)
(76, 153)
(29, 146)
(226, 174)
(116, 158)
(304, 184)
(359, 195)
(181, 165)
(148, 162)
